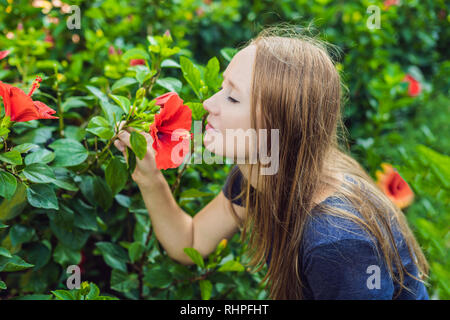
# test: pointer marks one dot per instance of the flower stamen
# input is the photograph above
(36, 84)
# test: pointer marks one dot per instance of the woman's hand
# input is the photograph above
(146, 169)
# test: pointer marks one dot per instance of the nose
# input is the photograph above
(208, 105)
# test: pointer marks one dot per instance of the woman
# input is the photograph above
(319, 221)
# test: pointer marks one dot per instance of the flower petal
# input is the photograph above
(162, 100)
(166, 154)
(44, 111)
(170, 119)
(4, 54)
(22, 106)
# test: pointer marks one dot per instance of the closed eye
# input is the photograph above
(230, 98)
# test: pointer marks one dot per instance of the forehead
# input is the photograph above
(240, 68)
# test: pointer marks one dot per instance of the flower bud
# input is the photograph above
(140, 94)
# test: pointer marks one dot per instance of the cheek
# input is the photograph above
(235, 120)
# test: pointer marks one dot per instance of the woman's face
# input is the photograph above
(229, 124)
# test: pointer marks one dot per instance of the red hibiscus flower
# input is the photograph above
(136, 62)
(394, 186)
(414, 87)
(389, 3)
(20, 107)
(161, 100)
(173, 121)
(3, 54)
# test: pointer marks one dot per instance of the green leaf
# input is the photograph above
(158, 277)
(97, 93)
(68, 152)
(97, 191)
(122, 281)
(195, 256)
(39, 156)
(62, 224)
(135, 251)
(231, 265)
(13, 264)
(167, 52)
(115, 256)
(64, 180)
(8, 184)
(94, 292)
(12, 157)
(73, 102)
(5, 253)
(2, 285)
(212, 74)
(66, 256)
(198, 111)
(3, 226)
(191, 74)
(100, 127)
(123, 102)
(135, 53)
(10, 208)
(38, 135)
(111, 111)
(169, 63)
(205, 289)
(20, 234)
(38, 254)
(63, 295)
(440, 163)
(116, 175)
(3, 132)
(85, 216)
(42, 196)
(131, 160)
(138, 144)
(121, 83)
(39, 173)
(143, 73)
(228, 53)
(25, 147)
(171, 84)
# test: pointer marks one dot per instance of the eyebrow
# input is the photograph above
(231, 83)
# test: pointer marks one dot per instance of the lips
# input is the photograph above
(209, 126)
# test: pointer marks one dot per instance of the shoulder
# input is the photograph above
(232, 187)
(322, 228)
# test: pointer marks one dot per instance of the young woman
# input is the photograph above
(323, 227)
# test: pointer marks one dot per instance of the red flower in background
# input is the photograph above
(136, 62)
(49, 39)
(3, 54)
(414, 87)
(173, 116)
(388, 3)
(393, 185)
(82, 261)
(20, 107)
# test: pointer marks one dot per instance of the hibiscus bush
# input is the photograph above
(66, 194)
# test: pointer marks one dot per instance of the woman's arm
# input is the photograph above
(174, 228)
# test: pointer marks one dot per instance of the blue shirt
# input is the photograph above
(338, 259)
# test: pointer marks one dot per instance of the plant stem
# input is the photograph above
(60, 112)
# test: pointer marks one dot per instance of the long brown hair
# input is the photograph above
(297, 89)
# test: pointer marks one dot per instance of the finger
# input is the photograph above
(121, 124)
(124, 137)
(119, 145)
(148, 137)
